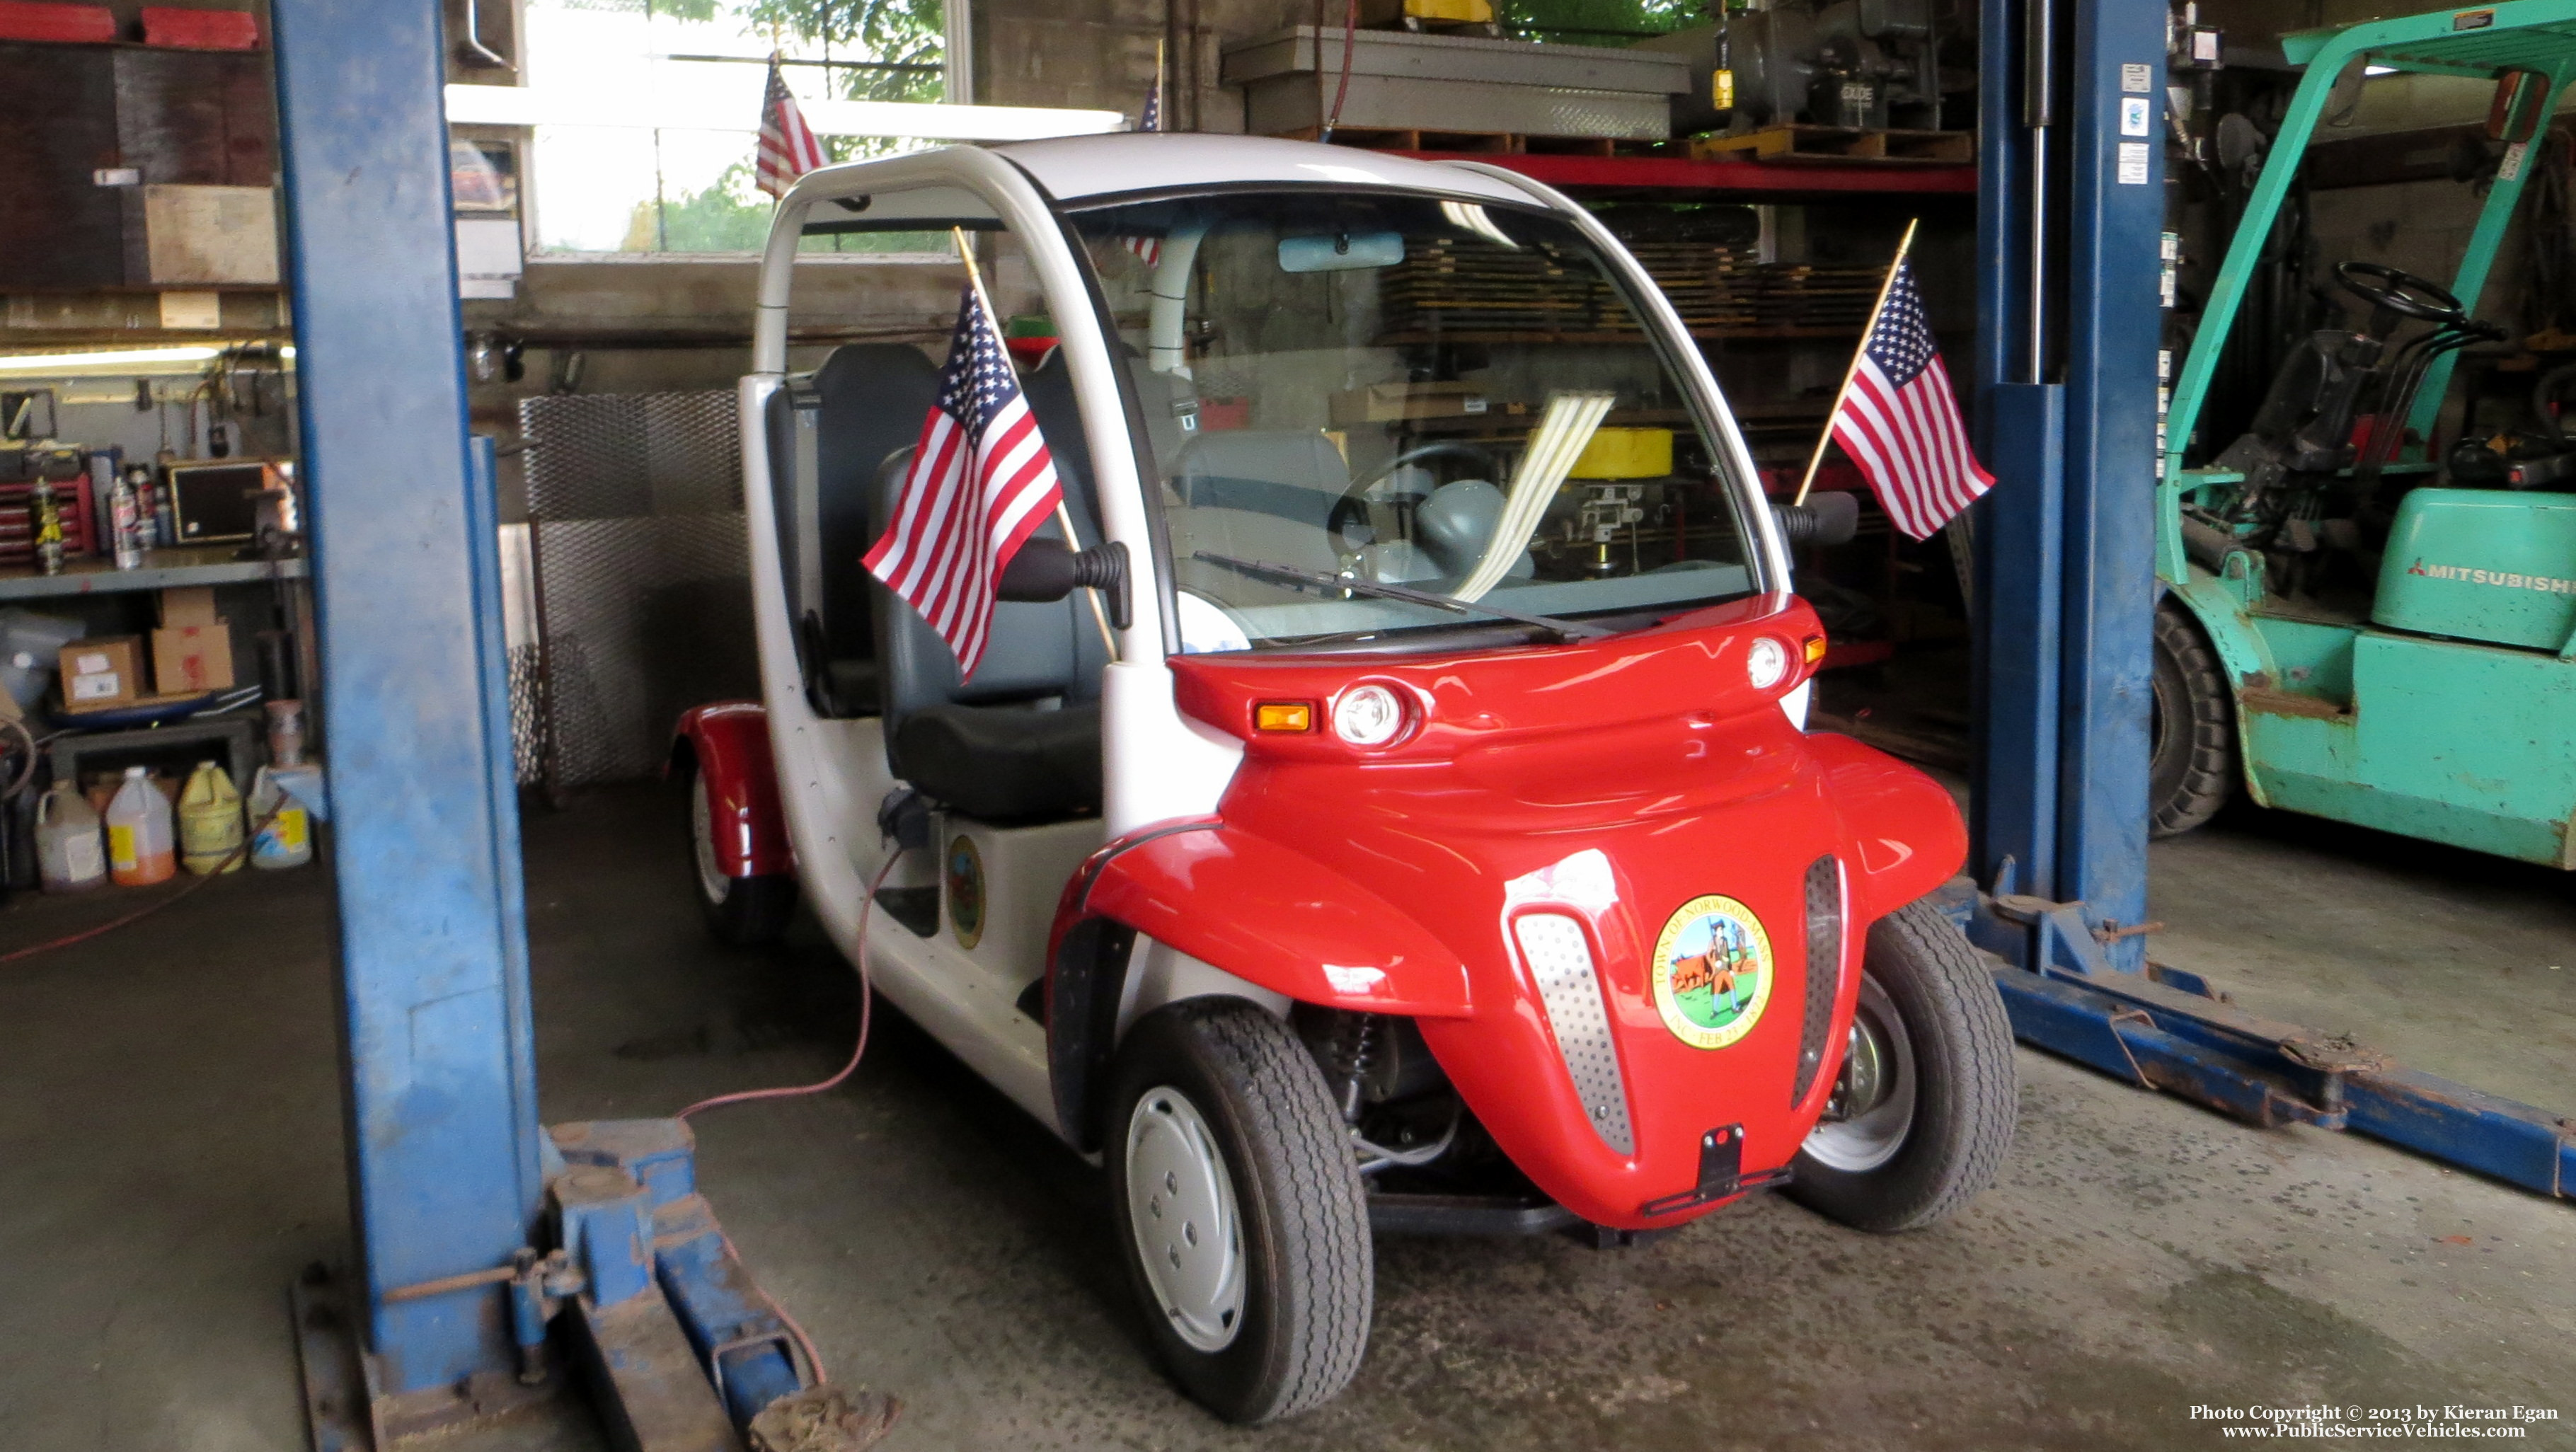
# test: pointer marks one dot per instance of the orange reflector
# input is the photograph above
(1815, 649)
(1284, 716)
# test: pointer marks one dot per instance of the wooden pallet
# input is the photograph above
(1840, 144)
(1370, 138)
(1497, 143)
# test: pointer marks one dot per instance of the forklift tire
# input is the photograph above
(743, 911)
(1931, 1060)
(1230, 1167)
(2191, 771)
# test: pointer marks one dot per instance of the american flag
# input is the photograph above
(1150, 249)
(1900, 422)
(787, 149)
(981, 483)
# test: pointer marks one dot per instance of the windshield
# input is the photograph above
(1399, 390)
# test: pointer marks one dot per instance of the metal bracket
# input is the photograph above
(1721, 1174)
(681, 1347)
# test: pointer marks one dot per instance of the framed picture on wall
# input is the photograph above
(484, 176)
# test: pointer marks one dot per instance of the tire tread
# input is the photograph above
(1287, 1127)
(1972, 1104)
(2190, 789)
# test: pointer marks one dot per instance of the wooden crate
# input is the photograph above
(1499, 143)
(1840, 144)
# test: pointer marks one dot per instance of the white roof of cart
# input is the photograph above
(1082, 168)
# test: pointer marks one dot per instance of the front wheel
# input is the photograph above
(1922, 1113)
(744, 911)
(1241, 1213)
(2191, 769)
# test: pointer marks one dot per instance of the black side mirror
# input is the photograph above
(1045, 570)
(1825, 519)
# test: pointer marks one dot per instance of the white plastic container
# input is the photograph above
(71, 855)
(287, 840)
(30, 644)
(142, 847)
(210, 822)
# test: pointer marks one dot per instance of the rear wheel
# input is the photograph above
(744, 911)
(1922, 1112)
(1243, 1221)
(2192, 769)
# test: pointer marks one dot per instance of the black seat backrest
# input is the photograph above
(1049, 390)
(866, 401)
(1036, 651)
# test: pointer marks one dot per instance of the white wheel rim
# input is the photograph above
(702, 838)
(1180, 1203)
(1870, 1139)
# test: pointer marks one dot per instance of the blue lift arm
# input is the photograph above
(2070, 219)
(480, 1233)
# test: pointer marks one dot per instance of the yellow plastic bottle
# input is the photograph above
(210, 822)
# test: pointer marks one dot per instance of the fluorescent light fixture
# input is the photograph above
(536, 106)
(2378, 70)
(185, 359)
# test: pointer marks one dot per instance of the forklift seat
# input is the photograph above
(1021, 741)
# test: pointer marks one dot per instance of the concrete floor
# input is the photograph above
(169, 1155)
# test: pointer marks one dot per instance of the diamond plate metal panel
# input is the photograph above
(1560, 961)
(641, 577)
(1823, 968)
(623, 455)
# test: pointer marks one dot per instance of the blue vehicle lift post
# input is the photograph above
(2070, 216)
(484, 1239)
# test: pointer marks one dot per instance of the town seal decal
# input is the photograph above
(1712, 972)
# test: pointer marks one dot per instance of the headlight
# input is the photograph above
(1767, 663)
(1368, 716)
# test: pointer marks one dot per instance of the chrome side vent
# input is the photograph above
(1560, 961)
(1824, 968)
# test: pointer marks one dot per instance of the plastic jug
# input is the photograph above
(140, 846)
(70, 854)
(210, 822)
(287, 840)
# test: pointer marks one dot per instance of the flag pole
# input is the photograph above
(1063, 516)
(1886, 285)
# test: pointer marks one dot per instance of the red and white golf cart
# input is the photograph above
(1416, 828)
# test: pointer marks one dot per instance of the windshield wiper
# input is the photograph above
(1561, 629)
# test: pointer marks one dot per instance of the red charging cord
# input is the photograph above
(867, 993)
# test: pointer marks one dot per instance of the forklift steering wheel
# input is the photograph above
(2402, 293)
(1353, 507)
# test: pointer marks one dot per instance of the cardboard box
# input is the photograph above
(188, 659)
(1395, 402)
(200, 235)
(102, 673)
(189, 605)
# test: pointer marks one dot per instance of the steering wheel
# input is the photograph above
(2402, 293)
(1353, 506)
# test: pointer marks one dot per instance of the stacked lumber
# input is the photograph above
(1467, 285)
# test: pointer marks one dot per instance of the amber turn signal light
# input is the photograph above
(1284, 716)
(1815, 649)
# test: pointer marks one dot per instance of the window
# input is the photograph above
(675, 190)
(1398, 390)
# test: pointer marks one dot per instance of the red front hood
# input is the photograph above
(1617, 782)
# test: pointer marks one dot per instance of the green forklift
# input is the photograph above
(2358, 622)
